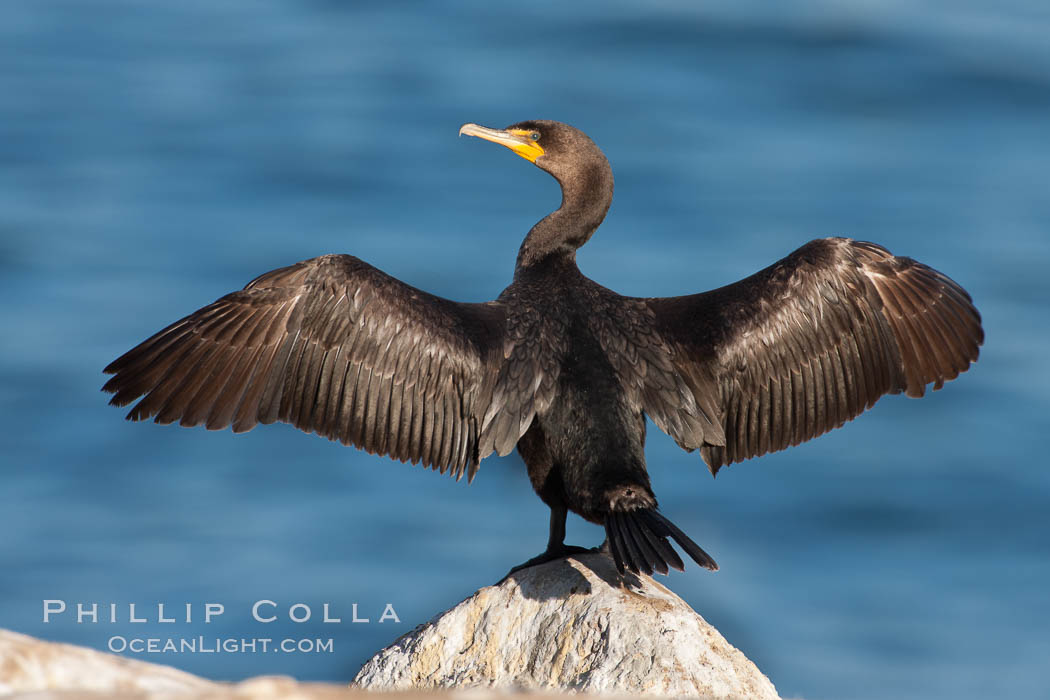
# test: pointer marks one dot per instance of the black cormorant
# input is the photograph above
(559, 366)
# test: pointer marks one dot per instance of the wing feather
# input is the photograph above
(812, 341)
(333, 346)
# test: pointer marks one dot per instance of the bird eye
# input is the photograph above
(535, 136)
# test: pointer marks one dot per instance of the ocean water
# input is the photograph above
(156, 156)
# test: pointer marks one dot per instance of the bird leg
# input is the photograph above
(556, 547)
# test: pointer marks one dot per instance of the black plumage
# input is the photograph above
(559, 366)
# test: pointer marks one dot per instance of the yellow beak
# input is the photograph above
(517, 140)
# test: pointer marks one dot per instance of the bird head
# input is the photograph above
(562, 150)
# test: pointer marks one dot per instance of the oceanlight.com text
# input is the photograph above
(218, 645)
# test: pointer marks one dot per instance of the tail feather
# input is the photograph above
(634, 558)
(638, 542)
(664, 548)
(691, 548)
(652, 556)
(640, 553)
(615, 540)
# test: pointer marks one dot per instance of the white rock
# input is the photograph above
(570, 625)
(30, 664)
(34, 669)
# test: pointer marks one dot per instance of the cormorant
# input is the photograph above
(559, 366)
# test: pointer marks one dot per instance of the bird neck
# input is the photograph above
(585, 200)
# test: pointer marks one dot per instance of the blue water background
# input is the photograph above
(154, 156)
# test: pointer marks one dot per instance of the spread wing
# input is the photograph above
(333, 346)
(815, 339)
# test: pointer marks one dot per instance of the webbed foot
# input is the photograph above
(551, 554)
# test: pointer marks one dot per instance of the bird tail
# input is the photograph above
(638, 542)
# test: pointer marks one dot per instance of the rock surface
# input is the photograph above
(572, 624)
(28, 664)
(41, 670)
